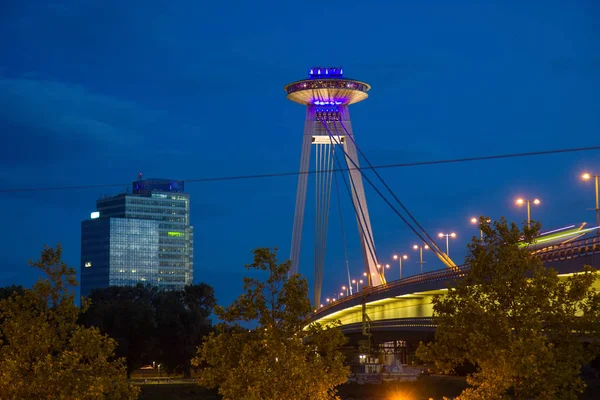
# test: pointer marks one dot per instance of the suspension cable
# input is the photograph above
(382, 196)
(364, 226)
(439, 252)
(339, 203)
(368, 239)
(368, 244)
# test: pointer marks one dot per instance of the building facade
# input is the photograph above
(139, 237)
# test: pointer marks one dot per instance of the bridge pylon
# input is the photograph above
(327, 128)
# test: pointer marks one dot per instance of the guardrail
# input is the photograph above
(576, 248)
(419, 322)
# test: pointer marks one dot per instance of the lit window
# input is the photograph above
(88, 264)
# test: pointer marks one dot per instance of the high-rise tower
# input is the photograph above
(139, 237)
(327, 128)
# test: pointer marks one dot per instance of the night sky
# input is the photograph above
(96, 91)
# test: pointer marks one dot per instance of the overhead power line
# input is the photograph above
(295, 173)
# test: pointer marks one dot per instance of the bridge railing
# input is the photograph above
(431, 276)
(576, 248)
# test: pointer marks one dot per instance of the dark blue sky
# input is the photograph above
(96, 91)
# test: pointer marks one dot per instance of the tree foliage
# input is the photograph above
(278, 359)
(45, 354)
(182, 323)
(527, 331)
(127, 315)
(151, 325)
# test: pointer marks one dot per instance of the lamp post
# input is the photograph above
(346, 289)
(400, 258)
(357, 281)
(420, 248)
(474, 222)
(586, 177)
(447, 235)
(368, 278)
(521, 201)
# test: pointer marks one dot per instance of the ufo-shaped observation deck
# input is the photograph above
(327, 86)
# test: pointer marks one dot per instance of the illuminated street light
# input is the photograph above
(357, 281)
(521, 201)
(420, 248)
(447, 235)
(587, 177)
(404, 257)
(368, 278)
(474, 221)
(387, 266)
(346, 289)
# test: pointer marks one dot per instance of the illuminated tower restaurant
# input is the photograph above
(140, 237)
(328, 131)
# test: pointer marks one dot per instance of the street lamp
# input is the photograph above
(397, 257)
(474, 221)
(346, 289)
(447, 235)
(420, 248)
(368, 277)
(587, 177)
(521, 201)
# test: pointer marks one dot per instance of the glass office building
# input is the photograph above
(139, 237)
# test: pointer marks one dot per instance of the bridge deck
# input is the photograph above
(405, 304)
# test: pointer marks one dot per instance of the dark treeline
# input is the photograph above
(150, 325)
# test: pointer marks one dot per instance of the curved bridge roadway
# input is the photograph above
(405, 304)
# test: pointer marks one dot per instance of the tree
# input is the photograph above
(279, 358)
(523, 327)
(127, 315)
(45, 354)
(151, 325)
(182, 323)
(7, 291)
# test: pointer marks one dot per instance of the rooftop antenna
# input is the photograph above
(140, 176)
